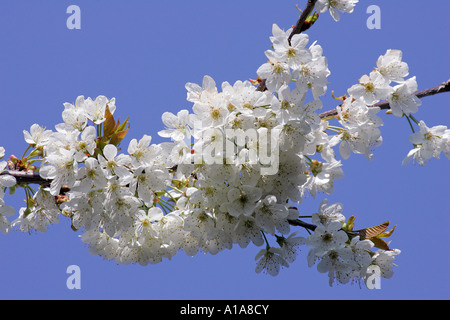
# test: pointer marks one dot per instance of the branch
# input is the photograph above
(443, 87)
(298, 28)
(27, 177)
(300, 223)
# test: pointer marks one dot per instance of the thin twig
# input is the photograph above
(26, 177)
(443, 87)
(301, 21)
(35, 178)
(303, 224)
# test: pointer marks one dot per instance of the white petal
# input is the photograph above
(110, 151)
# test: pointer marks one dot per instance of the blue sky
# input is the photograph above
(142, 53)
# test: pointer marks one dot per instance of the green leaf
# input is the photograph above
(386, 234)
(121, 127)
(348, 226)
(12, 190)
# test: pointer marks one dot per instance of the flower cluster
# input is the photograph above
(342, 253)
(5, 182)
(233, 171)
(387, 82)
(428, 143)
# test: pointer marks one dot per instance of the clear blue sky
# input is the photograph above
(143, 53)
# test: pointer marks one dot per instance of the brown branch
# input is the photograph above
(26, 177)
(300, 223)
(299, 26)
(443, 87)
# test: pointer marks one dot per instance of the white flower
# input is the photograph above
(149, 180)
(313, 74)
(86, 145)
(246, 231)
(292, 136)
(323, 176)
(86, 207)
(5, 211)
(113, 164)
(356, 113)
(120, 207)
(42, 212)
(243, 98)
(328, 213)
(391, 66)
(203, 93)
(275, 72)
(293, 54)
(65, 137)
(210, 113)
(74, 115)
(359, 140)
(243, 200)
(429, 142)
(95, 110)
(101, 244)
(288, 181)
(270, 260)
(61, 168)
(142, 153)
(402, 100)
(201, 224)
(361, 256)
(385, 260)
(177, 126)
(335, 5)
(288, 103)
(91, 175)
(6, 180)
(335, 262)
(326, 238)
(289, 246)
(270, 214)
(372, 88)
(37, 136)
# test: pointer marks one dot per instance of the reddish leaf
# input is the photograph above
(368, 233)
(109, 125)
(380, 243)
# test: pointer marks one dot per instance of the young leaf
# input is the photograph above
(109, 125)
(348, 226)
(380, 243)
(368, 233)
(117, 137)
(386, 234)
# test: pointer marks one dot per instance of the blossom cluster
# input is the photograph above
(5, 182)
(157, 199)
(234, 170)
(428, 143)
(343, 255)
